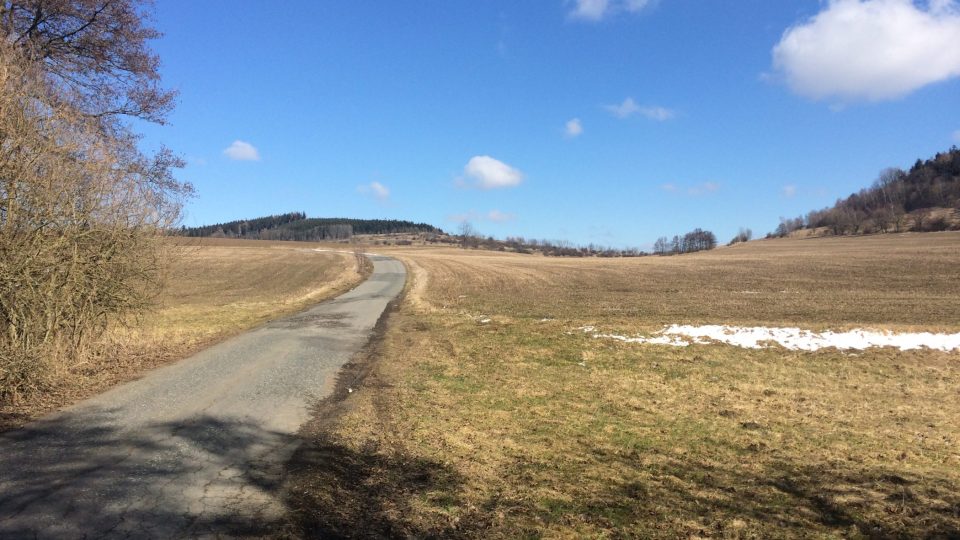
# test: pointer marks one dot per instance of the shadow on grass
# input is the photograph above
(690, 498)
(340, 493)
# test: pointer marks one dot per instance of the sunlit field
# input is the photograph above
(489, 413)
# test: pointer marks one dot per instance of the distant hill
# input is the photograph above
(925, 198)
(297, 226)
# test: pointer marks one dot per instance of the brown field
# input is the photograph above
(524, 427)
(214, 289)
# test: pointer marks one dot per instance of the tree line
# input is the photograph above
(695, 240)
(298, 227)
(897, 201)
(82, 208)
(469, 237)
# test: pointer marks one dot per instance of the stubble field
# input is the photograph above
(213, 289)
(488, 412)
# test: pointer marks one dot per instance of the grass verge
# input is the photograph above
(215, 289)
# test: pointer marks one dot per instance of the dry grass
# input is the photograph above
(517, 428)
(888, 281)
(215, 289)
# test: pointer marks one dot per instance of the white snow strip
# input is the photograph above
(658, 340)
(794, 339)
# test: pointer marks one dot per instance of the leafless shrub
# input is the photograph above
(81, 216)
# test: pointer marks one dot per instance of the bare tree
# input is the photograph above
(97, 50)
(661, 246)
(919, 218)
(899, 218)
(81, 219)
(469, 236)
(743, 235)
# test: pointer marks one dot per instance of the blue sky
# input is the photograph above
(611, 122)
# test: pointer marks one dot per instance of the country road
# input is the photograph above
(196, 448)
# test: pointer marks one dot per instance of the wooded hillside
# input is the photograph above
(897, 201)
(297, 226)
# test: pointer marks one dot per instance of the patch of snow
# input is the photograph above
(658, 340)
(794, 339)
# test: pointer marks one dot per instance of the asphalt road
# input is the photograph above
(193, 449)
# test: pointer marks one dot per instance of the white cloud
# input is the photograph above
(956, 136)
(490, 173)
(629, 108)
(595, 10)
(500, 217)
(871, 50)
(242, 151)
(703, 189)
(591, 10)
(668, 187)
(573, 128)
(379, 190)
(376, 190)
(789, 190)
(634, 6)
(659, 114)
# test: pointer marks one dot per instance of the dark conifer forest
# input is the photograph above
(297, 226)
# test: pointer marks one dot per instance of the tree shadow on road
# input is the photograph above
(79, 474)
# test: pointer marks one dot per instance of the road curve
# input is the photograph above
(195, 448)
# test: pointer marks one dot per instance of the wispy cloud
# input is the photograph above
(489, 173)
(497, 216)
(464, 216)
(695, 190)
(626, 109)
(956, 136)
(789, 191)
(590, 10)
(703, 189)
(596, 10)
(573, 128)
(376, 190)
(493, 216)
(629, 108)
(242, 151)
(659, 114)
(872, 50)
